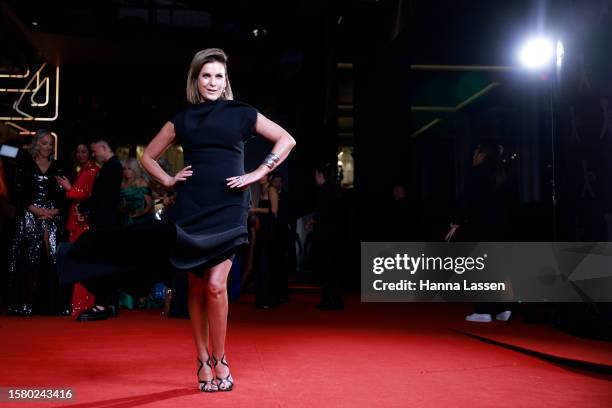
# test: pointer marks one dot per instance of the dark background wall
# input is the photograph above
(124, 66)
(585, 114)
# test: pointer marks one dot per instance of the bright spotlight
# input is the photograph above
(537, 53)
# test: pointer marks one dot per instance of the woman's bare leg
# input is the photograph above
(216, 303)
(199, 320)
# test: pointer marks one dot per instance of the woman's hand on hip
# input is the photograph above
(180, 176)
(242, 182)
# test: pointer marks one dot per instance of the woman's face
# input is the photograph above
(277, 183)
(211, 81)
(128, 173)
(82, 154)
(45, 146)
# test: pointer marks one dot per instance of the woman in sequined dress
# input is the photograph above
(76, 224)
(33, 284)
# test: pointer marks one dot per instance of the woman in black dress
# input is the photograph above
(40, 225)
(212, 202)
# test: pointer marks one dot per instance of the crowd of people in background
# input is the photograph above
(52, 203)
(43, 204)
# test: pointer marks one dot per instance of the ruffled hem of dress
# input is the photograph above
(206, 250)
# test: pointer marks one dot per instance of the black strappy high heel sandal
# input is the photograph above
(206, 385)
(229, 380)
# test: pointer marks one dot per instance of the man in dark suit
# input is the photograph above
(102, 207)
(102, 212)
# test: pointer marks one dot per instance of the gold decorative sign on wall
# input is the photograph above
(33, 95)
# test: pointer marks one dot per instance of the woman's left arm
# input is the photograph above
(283, 143)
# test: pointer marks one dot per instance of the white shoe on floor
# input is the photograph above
(504, 316)
(479, 317)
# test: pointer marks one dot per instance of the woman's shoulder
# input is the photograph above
(180, 113)
(247, 116)
(242, 107)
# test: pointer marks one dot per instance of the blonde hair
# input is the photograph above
(199, 60)
(40, 133)
(133, 165)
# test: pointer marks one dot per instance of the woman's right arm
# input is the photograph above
(83, 184)
(164, 139)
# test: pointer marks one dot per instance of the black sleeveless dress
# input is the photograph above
(210, 218)
(208, 221)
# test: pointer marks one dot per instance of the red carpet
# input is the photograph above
(544, 339)
(370, 355)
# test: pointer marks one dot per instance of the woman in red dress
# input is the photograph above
(76, 223)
